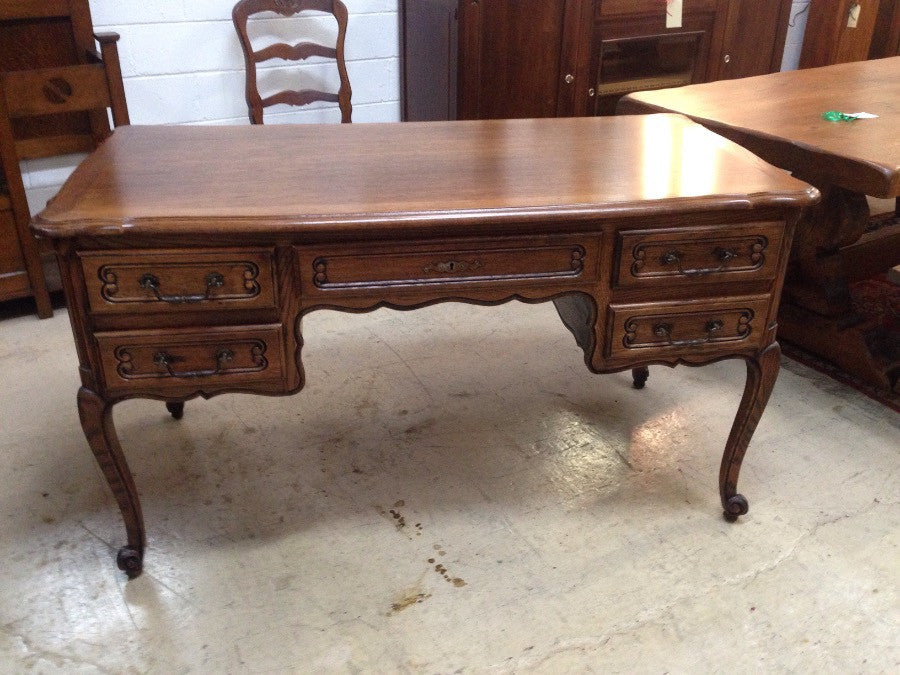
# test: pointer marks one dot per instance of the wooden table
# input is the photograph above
(190, 254)
(778, 117)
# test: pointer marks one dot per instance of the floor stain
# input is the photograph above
(442, 570)
(410, 597)
(422, 426)
(399, 520)
(396, 516)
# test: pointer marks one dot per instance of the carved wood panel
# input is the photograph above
(162, 281)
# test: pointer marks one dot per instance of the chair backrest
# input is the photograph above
(296, 52)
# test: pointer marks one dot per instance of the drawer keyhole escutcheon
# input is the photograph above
(671, 258)
(151, 282)
(166, 360)
(725, 254)
(454, 267)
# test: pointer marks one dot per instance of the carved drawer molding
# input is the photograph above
(686, 255)
(179, 359)
(180, 280)
(452, 265)
(710, 326)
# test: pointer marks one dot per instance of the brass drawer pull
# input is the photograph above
(664, 330)
(166, 360)
(151, 283)
(723, 255)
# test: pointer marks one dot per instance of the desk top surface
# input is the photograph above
(372, 179)
(783, 112)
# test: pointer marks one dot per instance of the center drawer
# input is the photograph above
(510, 262)
(143, 360)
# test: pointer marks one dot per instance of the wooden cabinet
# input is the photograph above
(633, 50)
(494, 59)
(839, 32)
(753, 40)
(479, 59)
(521, 59)
(886, 36)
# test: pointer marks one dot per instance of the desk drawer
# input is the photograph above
(669, 328)
(425, 266)
(675, 256)
(179, 280)
(140, 360)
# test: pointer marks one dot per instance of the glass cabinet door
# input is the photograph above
(647, 62)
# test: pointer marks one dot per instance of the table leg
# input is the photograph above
(762, 372)
(97, 423)
(640, 375)
(176, 409)
(832, 248)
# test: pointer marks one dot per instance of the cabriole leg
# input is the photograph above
(761, 374)
(97, 422)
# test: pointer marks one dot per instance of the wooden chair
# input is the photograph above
(297, 52)
(55, 89)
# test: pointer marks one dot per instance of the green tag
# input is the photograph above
(835, 116)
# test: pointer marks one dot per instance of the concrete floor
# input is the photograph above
(453, 491)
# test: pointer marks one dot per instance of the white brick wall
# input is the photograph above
(182, 64)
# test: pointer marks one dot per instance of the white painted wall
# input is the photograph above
(796, 31)
(182, 64)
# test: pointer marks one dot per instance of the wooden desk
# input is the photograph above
(190, 254)
(778, 117)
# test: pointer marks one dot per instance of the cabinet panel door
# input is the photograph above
(429, 58)
(830, 39)
(754, 38)
(511, 57)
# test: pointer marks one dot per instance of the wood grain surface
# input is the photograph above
(343, 178)
(779, 117)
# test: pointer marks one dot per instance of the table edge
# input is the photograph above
(886, 186)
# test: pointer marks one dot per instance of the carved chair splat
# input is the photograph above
(300, 51)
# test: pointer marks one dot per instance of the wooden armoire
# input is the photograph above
(842, 31)
(478, 59)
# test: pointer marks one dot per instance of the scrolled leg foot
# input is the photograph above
(175, 409)
(640, 375)
(736, 506)
(130, 560)
(97, 422)
(761, 374)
